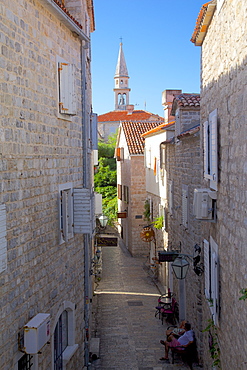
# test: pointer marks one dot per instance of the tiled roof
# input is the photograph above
(190, 131)
(185, 101)
(124, 115)
(163, 126)
(90, 9)
(133, 131)
(203, 22)
(188, 100)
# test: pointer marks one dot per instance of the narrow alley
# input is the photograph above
(124, 311)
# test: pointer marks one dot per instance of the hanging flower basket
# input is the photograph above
(167, 256)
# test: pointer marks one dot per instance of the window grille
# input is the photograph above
(25, 363)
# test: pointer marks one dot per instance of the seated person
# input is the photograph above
(175, 331)
(182, 342)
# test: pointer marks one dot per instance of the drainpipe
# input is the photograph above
(86, 184)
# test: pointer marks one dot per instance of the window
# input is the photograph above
(67, 96)
(26, 362)
(3, 241)
(162, 213)
(148, 157)
(60, 340)
(211, 273)
(63, 336)
(126, 194)
(120, 154)
(65, 212)
(211, 150)
(119, 191)
(185, 205)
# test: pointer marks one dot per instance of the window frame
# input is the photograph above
(71, 347)
(170, 197)
(66, 212)
(185, 206)
(211, 149)
(211, 277)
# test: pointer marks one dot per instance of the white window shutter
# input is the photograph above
(83, 211)
(214, 150)
(94, 128)
(148, 158)
(214, 280)
(206, 268)
(206, 150)
(65, 215)
(3, 241)
(185, 205)
(67, 97)
(170, 197)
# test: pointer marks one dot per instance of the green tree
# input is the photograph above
(105, 178)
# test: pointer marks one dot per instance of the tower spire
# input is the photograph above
(121, 78)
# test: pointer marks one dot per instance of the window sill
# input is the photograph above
(68, 353)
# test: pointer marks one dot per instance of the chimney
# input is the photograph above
(130, 108)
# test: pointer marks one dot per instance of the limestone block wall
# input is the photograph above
(39, 150)
(224, 86)
(138, 197)
(184, 168)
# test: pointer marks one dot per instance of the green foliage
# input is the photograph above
(105, 179)
(158, 222)
(244, 294)
(214, 345)
(146, 212)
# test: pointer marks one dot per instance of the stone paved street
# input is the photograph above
(124, 308)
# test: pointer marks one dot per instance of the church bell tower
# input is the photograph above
(121, 78)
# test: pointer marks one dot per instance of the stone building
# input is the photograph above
(220, 30)
(131, 184)
(108, 123)
(175, 147)
(46, 188)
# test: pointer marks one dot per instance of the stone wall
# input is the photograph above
(224, 86)
(38, 152)
(183, 165)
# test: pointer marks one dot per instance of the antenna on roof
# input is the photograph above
(145, 105)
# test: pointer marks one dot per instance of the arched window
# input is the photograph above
(64, 336)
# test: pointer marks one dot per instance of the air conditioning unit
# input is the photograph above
(204, 204)
(36, 333)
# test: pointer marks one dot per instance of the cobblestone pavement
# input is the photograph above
(124, 316)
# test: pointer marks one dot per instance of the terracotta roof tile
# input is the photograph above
(202, 23)
(124, 115)
(133, 131)
(188, 100)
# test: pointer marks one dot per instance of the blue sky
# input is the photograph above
(156, 43)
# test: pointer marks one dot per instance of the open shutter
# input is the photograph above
(65, 214)
(3, 241)
(170, 197)
(67, 98)
(214, 150)
(206, 147)
(214, 280)
(94, 128)
(185, 205)
(83, 211)
(206, 268)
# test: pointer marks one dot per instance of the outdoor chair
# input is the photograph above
(171, 313)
